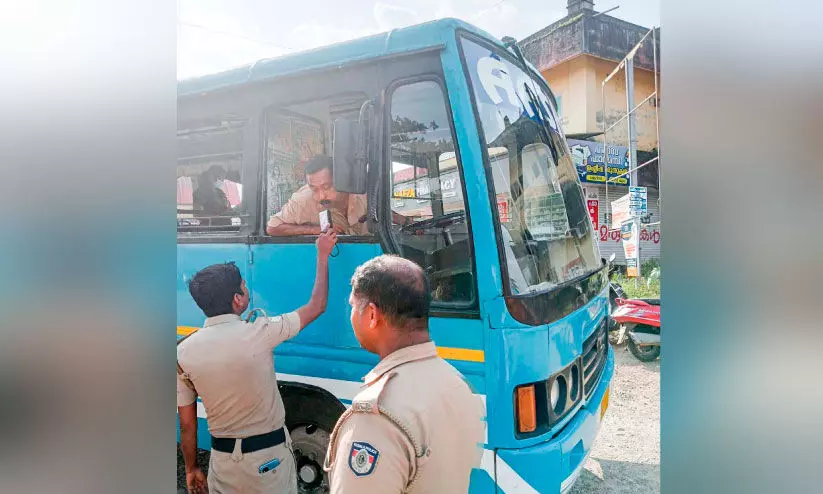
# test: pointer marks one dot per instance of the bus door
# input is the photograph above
(429, 215)
(283, 267)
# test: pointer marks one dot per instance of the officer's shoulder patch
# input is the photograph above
(363, 458)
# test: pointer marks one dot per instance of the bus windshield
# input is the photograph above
(546, 233)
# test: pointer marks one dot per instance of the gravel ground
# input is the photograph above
(626, 454)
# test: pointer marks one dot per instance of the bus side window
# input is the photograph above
(295, 134)
(291, 140)
(209, 175)
(427, 203)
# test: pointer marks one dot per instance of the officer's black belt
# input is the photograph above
(249, 444)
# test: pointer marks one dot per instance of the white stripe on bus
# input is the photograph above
(344, 390)
(504, 475)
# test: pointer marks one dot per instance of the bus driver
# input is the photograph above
(301, 214)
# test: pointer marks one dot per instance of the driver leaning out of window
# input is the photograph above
(301, 214)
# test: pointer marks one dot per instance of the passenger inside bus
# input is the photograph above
(209, 198)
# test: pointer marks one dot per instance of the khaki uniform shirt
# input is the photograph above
(302, 209)
(231, 365)
(415, 428)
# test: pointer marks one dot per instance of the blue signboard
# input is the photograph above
(593, 168)
(638, 205)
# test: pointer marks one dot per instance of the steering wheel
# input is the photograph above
(440, 221)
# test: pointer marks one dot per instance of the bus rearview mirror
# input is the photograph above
(349, 157)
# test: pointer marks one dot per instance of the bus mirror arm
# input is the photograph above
(372, 183)
(349, 168)
(350, 152)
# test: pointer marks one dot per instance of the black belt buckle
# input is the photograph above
(249, 444)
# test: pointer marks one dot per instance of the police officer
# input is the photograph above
(301, 214)
(416, 426)
(229, 364)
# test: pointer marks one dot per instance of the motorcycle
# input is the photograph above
(615, 290)
(640, 320)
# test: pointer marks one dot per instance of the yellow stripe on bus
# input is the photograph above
(185, 330)
(461, 354)
(445, 352)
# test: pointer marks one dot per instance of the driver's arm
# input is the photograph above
(286, 229)
(297, 217)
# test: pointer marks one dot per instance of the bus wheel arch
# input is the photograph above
(311, 413)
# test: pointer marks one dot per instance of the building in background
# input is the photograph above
(575, 54)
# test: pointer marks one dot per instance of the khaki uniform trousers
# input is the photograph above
(238, 472)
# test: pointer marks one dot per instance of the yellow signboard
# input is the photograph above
(405, 192)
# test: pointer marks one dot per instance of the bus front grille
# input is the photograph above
(595, 349)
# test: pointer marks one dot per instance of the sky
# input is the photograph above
(215, 35)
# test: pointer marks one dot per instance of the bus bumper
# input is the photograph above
(554, 466)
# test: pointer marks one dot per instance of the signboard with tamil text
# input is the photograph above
(592, 167)
(594, 207)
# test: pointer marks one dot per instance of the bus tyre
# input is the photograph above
(310, 418)
(645, 353)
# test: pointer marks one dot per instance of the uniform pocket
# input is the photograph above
(269, 466)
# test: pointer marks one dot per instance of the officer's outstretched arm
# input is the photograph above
(320, 293)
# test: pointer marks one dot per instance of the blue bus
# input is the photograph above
(452, 129)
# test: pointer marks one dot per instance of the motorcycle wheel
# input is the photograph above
(643, 353)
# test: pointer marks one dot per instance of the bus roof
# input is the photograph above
(424, 36)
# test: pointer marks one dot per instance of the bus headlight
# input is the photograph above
(557, 384)
(564, 392)
(540, 405)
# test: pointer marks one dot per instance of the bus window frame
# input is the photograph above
(198, 108)
(544, 307)
(469, 309)
(260, 235)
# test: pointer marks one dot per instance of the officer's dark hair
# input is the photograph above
(213, 288)
(396, 286)
(317, 163)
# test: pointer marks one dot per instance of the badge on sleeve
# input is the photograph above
(363, 458)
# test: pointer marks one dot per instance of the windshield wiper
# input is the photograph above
(539, 110)
(544, 118)
(547, 286)
(511, 44)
